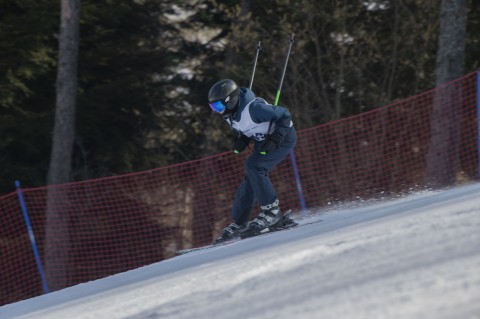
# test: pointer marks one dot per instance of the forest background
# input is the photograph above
(145, 67)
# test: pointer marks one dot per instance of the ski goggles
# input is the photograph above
(217, 106)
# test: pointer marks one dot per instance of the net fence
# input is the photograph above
(95, 228)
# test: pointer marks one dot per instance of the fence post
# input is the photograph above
(31, 236)
(299, 184)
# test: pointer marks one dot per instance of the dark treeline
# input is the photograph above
(145, 68)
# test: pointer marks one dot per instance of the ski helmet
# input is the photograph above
(223, 96)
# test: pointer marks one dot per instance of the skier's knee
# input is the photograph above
(255, 169)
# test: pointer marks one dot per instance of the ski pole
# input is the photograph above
(259, 47)
(292, 153)
(279, 88)
(277, 96)
(255, 64)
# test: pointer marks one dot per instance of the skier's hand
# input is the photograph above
(272, 142)
(240, 143)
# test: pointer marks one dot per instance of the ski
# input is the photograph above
(291, 224)
(189, 250)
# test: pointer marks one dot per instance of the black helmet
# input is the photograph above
(223, 96)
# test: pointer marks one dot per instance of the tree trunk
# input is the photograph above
(57, 235)
(442, 156)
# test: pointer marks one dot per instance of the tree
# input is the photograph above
(57, 237)
(27, 70)
(347, 58)
(442, 156)
(146, 67)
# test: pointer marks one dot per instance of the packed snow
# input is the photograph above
(413, 257)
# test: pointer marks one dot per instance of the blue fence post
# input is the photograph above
(299, 184)
(32, 237)
(478, 119)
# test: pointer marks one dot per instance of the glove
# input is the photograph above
(272, 142)
(240, 143)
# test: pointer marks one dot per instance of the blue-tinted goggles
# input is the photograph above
(217, 106)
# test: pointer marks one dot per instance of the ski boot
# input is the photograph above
(230, 232)
(269, 218)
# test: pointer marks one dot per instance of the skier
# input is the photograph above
(252, 118)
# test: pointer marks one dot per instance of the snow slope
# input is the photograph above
(415, 257)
